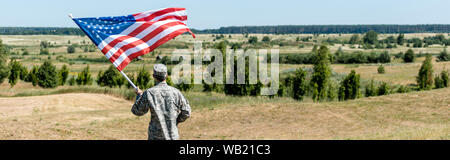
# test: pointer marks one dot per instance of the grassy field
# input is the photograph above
(93, 112)
(416, 115)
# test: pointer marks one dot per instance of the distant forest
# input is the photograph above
(282, 29)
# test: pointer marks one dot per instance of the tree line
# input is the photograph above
(280, 29)
(327, 29)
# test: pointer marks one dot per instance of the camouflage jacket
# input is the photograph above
(168, 107)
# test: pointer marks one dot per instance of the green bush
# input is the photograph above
(63, 73)
(253, 40)
(72, 81)
(381, 69)
(84, 77)
(47, 76)
(321, 74)
(71, 49)
(425, 76)
(443, 56)
(299, 87)
(371, 37)
(383, 89)
(143, 78)
(444, 77)
(438, 82)
(402, 89)
(32, 76)
(44, 51)
(266, 39)
(111, 78)
(14, 72)
(350, 86)
(370, 89)
(409, 56)
(182, 86)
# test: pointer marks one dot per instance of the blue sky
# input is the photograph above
(215, 14)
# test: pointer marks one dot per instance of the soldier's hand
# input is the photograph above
(138, 91)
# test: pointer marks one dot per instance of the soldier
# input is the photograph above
(167, 105)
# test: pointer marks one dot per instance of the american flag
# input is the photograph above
(123, 38)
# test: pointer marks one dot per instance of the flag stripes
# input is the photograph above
(136, 37)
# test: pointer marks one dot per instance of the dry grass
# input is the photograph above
(416, 115)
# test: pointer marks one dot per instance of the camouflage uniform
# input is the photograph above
(168, 107)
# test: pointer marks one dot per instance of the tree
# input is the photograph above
(299, 84)
(4, 69)
(14, 73)
(383, 89)
(23, 72)
(370, 89)
(47, 76)
(71, 48)
(32, 75)
(321, 75)
(143, 78)
(371, 37)
(72, 81)
(438, 82)
(350, 86)
(381, 69)
(425, 76)
(84, 77)
(266, 39)
(354, 39)
(401, 39)
(409, 56)
(44, 51)
(63, 73)
(111, 77)
(253, 39)
(444, 78)
(443, 56)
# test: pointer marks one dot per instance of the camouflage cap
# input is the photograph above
(160, 71)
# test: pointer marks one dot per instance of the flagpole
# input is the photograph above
(129, 81)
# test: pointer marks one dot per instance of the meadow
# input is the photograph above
(95, 112)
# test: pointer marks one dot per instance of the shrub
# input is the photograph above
(443, 56)
(402, 89)
(266, 39)
(321, 74)
(182, 86)
(72, 81)
(438, 82)
(425, 76)
(371, 37)
(32, 76)
(14, 72)
(253, 40)
(111, 78)
(63, 73)
(44, 51)
(71, 49)
(47, 76)
(143, 79)
(350, 86)
(299, 84)
(444, 78)
(381, 69)
(409, 56)
(370, 89)
(23, 72)
(84, 77)
(383, 89)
